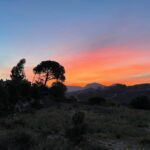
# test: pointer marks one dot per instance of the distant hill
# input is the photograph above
(88, 86)
(119, 93)
(94, 86)
(73, 88)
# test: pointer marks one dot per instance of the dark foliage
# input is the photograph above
(78, 128)
(4, 97)
(141, 102)
(145, 142)
(36, 92)
(17, 141)
(97, 100)
(58, 90)
(18, 93)
(49, 70)
(17, 72)
(18, 88)
(71, 99)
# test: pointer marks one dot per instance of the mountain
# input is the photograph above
(87, 87)
(73, 88)
(118, 93)
(94, 86)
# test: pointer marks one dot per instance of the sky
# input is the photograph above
(104, 41)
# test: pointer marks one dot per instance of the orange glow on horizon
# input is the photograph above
(105, 66)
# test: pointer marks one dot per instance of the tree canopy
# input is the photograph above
(17, 72)
(49, 70)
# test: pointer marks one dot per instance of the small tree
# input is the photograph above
(49, 70)
(19, 88)
(17, 72)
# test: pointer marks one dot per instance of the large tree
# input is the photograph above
(49, 70)
(17, 72)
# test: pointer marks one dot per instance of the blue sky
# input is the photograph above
(65, 29)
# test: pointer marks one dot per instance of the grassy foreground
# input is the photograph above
(108, 128)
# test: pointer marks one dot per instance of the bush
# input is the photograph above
(16, 141)
(71, 99)
(97, 100)
(141, 102)
(145, 141)
(4, 96)
(58, 90)
(78, 128)
(25, 89)
(18, 90)
(36, 92)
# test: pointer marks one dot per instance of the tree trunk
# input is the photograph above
(46, 79)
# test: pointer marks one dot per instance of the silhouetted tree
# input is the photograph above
(49, 70)
(17, 72)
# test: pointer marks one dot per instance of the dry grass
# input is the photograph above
(117, 128)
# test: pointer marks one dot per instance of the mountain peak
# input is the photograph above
(94, 86)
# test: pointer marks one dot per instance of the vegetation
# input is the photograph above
(49, 70)
(18, 92)
(58, 90)
(97, 100)
(96, 124)
(17, 141)
(109, 128)
(141, 102)
(78, 128)
(17, 72)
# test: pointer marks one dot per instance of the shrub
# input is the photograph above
(35, 92)
(18, 90)
(97, 100)
(13, 90)
(145, 141)
(25, 89)
(4, 97)
(58, 90)
(94, 146)
(71, 99)
(141, 102)
(78, 128)
(17, 141)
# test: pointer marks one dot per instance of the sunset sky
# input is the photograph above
(104, 41)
